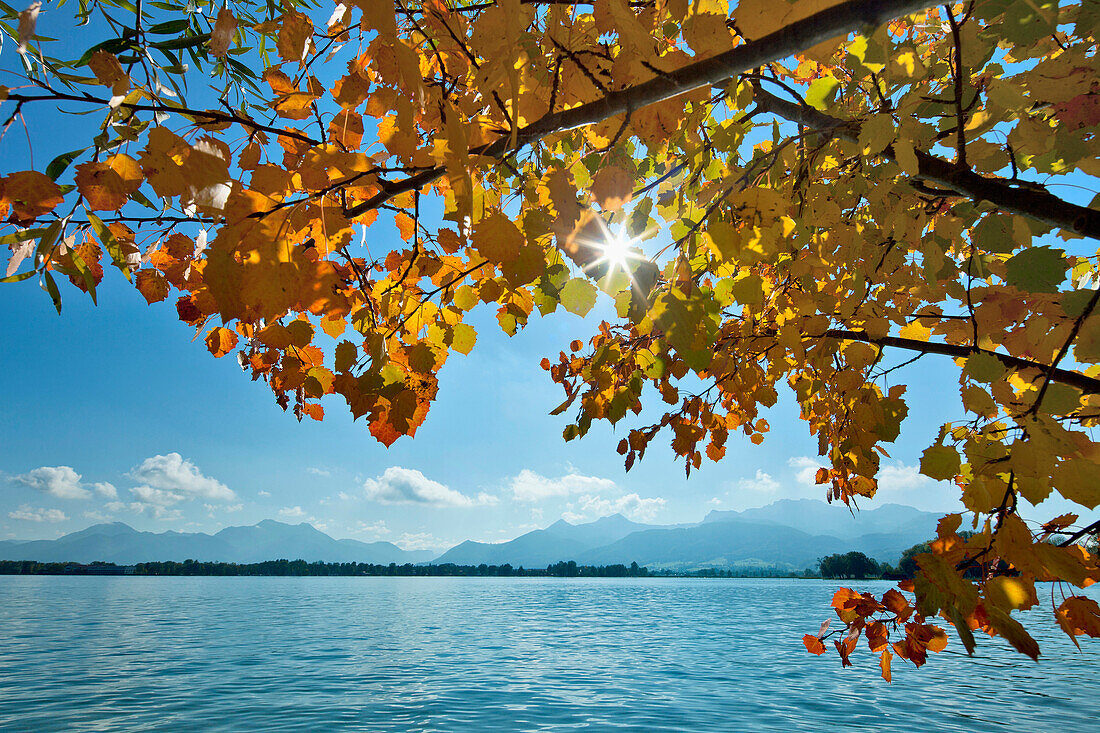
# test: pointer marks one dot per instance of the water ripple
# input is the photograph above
(457, 654)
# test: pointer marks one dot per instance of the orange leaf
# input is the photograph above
(30, 195)
(107, 185)
(405, 225)
(220, 341)
(152, 285)
(295, 38)
(106, 68)
(1079, 615)
(813, 644)
(612, 187)
(884, 664)
(346, 128)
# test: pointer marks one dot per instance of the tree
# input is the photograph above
(851, 565)
(847, 187)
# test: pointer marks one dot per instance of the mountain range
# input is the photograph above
(789, 534)
(269, 540)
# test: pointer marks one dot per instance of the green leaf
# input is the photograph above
(578, 296)
(170, 27)
(51, 287)
(994, 234)
(983, 367)
(181, 43)
(58, 165)
(22, 235)
(820, 92)
(18, 277)
(118, 257)
(85, 273)
(143, 200)
(1037, 270)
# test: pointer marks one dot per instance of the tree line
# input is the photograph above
(285, 567)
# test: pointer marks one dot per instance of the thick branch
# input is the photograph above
(1032, 202)
(786, 41)
(1085, 383)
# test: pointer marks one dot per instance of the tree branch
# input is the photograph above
(1085, 383)
(212, 115)
(1000, 192)
(791, 39)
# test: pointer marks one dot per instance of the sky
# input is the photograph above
(117, 412)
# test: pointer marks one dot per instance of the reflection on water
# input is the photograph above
(447, 654)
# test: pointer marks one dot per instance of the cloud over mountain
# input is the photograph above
(399, 485)
(530, 486)
(173, 475)
(60, 481)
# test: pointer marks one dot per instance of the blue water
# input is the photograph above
(457, 654)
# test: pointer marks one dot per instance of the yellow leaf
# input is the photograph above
(497, 239)
(1013, 632)
(940, 462)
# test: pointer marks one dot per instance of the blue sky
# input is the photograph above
(116, 413)
(120, 394)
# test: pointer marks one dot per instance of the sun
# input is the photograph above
(616, 249)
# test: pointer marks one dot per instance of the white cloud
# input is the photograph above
(805, 469)
(292, 512)
(421, 541)
(763, 482)
(29, 514)
(898, 483)
(344, 496)
(374, 529)
(262, 493)
(530, 486)
(319, 472)
(174, 474)
(60, 481)
(215, 509)
(106, 490)
(900, 477)
(715, 501)
(160, 497)
(590, 507)
(399, 485)
(156, 511)
(97, 516)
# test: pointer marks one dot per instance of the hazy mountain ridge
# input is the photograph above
(790, 534)
(541, 547)
(268, 540)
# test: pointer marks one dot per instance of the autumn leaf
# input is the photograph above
(612, 187)
(30, 195)
(497, 239)
(225, 26)
(153, 286)
(107, 185)
(1078, 615)
(813, 644)
(220, 341)
(940, 462)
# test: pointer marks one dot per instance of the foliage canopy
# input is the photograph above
(839, 183)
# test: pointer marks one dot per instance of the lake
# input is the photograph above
(494, 654)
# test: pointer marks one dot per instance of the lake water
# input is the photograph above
(493, 654)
